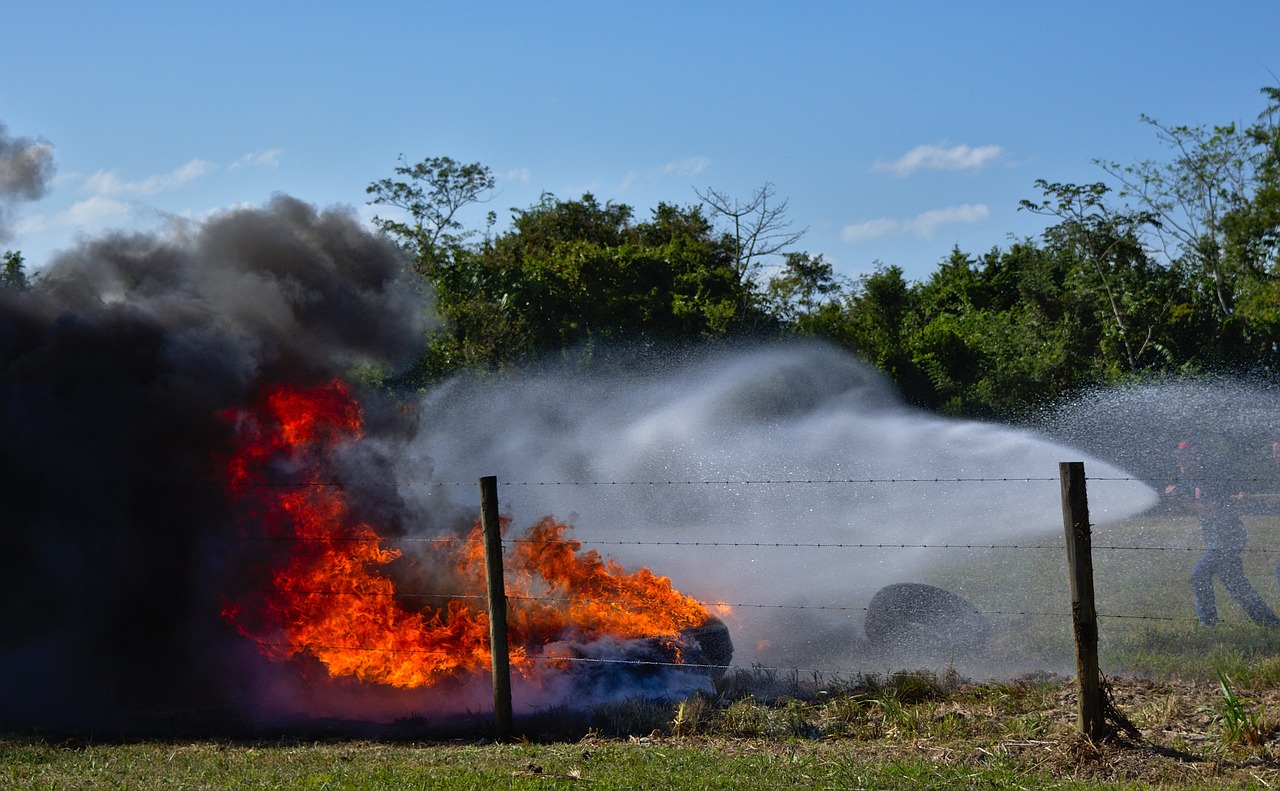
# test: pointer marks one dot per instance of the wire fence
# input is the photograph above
(992, 613)
(1241, 480)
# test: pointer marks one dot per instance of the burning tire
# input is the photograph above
(650, 665)
(913, 622)
(714, 647)
(706, 649)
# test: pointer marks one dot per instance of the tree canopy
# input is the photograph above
(1173, 267)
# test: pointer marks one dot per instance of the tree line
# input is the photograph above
(1169, 266)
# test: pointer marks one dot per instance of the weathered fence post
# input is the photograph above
(1075, 523)
(497, 596)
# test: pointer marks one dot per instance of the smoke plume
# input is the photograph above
(113, 377)
(26, 167)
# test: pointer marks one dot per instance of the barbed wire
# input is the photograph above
(719, 668)
(559, 658)
(1270, 480)
(714, 606)
(737, 544)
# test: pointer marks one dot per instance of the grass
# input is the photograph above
(904, 730)
(1243, 720)
(908, 730)
(1147, 621)
(621, 765)
(1202, 699)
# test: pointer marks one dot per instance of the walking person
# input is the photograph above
(1224, 537)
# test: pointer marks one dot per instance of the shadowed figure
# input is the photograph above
(1224, 537)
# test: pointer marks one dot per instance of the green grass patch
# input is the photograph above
(709, 764)
(1146, 615)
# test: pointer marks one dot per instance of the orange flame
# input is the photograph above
(327, 592)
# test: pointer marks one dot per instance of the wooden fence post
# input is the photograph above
(497, 596)
(1075, 523)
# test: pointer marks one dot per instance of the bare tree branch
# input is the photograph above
(760, 227)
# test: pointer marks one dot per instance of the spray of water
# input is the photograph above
(688, 464)
(1233, 422)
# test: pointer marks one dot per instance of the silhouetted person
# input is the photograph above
(1224, 538)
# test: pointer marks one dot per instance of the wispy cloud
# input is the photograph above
(923, 225)
(267, 158)
(521, 175)
(690, 166)
(680, 168)
(940, 156)
(107, 200)
(109, 183)
(94, 212)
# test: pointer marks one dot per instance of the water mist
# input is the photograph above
(685, 465)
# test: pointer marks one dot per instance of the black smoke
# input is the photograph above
(26, 168)
(113, 374)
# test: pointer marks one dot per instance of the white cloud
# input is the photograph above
(941, 156)
(871, 229)
(105, 183)
(268, 158)
(97, 211)
(516, 174)
(680, 168)
(924, 225)
(690, 166)
(90, 215)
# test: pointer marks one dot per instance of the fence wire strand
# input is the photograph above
(1007, 614)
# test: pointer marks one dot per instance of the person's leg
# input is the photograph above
(1231, 571)
(1202, 588)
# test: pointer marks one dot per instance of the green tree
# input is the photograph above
(570, 274)
(1004, 333)
(875, 319)
(1108, 263)
(13, 274)
(801, 288)
(430, 193)
(1252, 232)
(1211, 175)
(1253, 229)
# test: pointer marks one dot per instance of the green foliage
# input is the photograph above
(575, 274)
(1177, 272)
(801, 289)
(13, 275)
(1243, 720)
(430, 193)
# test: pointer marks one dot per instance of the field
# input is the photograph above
(1205, 703)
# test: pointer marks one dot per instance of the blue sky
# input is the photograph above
(895, 130)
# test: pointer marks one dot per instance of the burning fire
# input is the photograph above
(325, 591)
